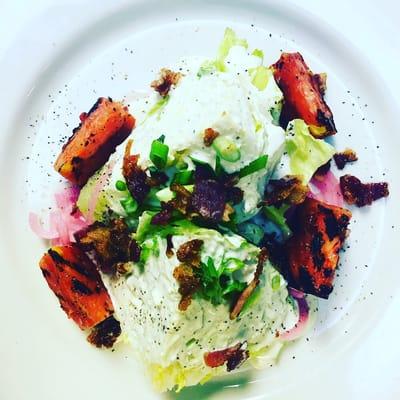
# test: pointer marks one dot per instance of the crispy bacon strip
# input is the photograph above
(319, 231)
(188, 282)
(288, 189)
(102, 129)
(303, 94)
(111, 244)
(73, 278)
(135, 177)
(189, 252)
(344, 157)
(209, 199)
(237, 308)
(167, 79)
(362, 194)
(232, 356)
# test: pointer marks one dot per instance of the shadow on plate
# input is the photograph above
(211, 388)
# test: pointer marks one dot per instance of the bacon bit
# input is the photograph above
(209, 199)
(322, 170)
(157, 178)
(134, 251)
(234, 194)
(164, 216)
(189, 252)
(74, 279)
(181, 203)
(288, 189)
(303, 94)
(189, 255)
(101, 130)
(111, 244)
(122, 269)
(319, 231)
(362, 194)
(209, 136)
(237, 308)
(166, 80)
(136, 178)
(189, 283)
(228, 211)
(204, 172)
(169, 251)
(341, 159)
(232, 356)
(105, 333)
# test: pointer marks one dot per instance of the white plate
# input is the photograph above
(45, 354)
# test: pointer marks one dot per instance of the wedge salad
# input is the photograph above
(200, 220)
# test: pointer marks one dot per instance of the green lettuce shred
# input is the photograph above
(260, 77)
(159, 105)
(306, 153)
(258, 53)
(230, 39)
(277, 216)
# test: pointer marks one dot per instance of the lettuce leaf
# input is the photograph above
(230, 39)
(260, 77)
(306, 153)
(107, 199)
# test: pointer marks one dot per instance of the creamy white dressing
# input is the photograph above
(172, 343)
(227, 102)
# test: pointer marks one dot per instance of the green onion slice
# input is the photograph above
(254, 166)
(226, 149)
(120, 185)
(276, 282)
(129, 205)
(159, 153)
(183, 177)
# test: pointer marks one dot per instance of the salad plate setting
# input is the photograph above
(204, 201)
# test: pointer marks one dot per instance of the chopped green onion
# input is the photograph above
(132, 223)
(218, 166)
(226, 149)
(190, 342)
(183, 177)
(232, 264)
(254, 166)
(129, 205)
(276, 282)
(277, 216)
(181, 165)
(159, 153)
(120, 185)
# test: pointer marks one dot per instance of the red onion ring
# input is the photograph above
(301, 324)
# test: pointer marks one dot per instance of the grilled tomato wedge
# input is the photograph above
(74, 279)
(102, 129)
(303, 93)
(319, 231)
